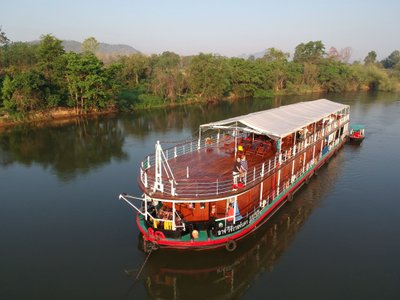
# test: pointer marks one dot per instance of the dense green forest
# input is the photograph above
(42, 76)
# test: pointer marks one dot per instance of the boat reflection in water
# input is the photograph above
(219, 274)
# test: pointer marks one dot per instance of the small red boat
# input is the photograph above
(357, 134)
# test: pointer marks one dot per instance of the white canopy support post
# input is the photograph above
(145, 207)
(234, 209)
(315, 132)
(279, 180)
(158, 184)
(280, 150)
(293, 168)
(199, 142)
(173, 216)
(173, 188)
(236, 134)
(294, 143)
(313, 154)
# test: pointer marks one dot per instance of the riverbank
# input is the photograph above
(131, 101)
(51, 115)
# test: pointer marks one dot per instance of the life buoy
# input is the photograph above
(231, 246)
(150, 231)
(159, 235)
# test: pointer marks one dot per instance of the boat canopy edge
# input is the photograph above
(281, 121)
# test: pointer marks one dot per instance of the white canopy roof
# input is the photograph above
(281, 121)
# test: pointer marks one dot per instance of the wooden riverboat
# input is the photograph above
(192, 199)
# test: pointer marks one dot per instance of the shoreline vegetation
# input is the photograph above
(41, 81)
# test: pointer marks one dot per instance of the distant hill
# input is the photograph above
(75, 46)
(256, 55)
(104, 48)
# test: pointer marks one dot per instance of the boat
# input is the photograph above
(194, 198)
(357, 134)
(171, 274)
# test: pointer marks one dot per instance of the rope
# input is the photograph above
(145, 261)
(140, 271)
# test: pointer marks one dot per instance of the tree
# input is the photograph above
(50, 49)
(333, 53)
(17, 57)
(370, 58)
(310, 52)
(392, 60)
(245, 77)
(335, 76)
(86, 81)
(3, 38)
(134, 68)
(209, 76)
(25, 92)
(51, 63)
(273, 54)
(345, 54)
(167, 80)
(90, 45)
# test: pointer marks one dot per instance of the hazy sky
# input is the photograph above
(220, 26)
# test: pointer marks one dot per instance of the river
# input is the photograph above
(65, 235)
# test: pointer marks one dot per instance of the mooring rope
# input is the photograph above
(140, 271)
(145, 261)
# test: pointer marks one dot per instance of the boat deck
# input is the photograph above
(209, 169)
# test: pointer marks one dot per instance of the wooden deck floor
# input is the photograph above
(206, 166)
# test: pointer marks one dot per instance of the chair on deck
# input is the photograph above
(252, 148)
(261, 150)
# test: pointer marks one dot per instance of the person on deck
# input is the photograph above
(236, 170)
(231, 213)
(243, 168)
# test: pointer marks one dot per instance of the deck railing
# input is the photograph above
(193, 187)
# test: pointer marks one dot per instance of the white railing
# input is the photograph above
(197, 187)
(168, 224)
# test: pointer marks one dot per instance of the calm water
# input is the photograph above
(65, 235)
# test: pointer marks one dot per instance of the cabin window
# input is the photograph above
(202, 205)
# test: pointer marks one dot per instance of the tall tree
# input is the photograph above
(90, 45)
(310, 52)
(392, 60)
(3, 37)
(245, 77)
(370, 58)
(134, 68)
(51, 62)
(85, 80)
(167, 79)
(50, 49)
(345, 54)
(273, 54)
(209, 76)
